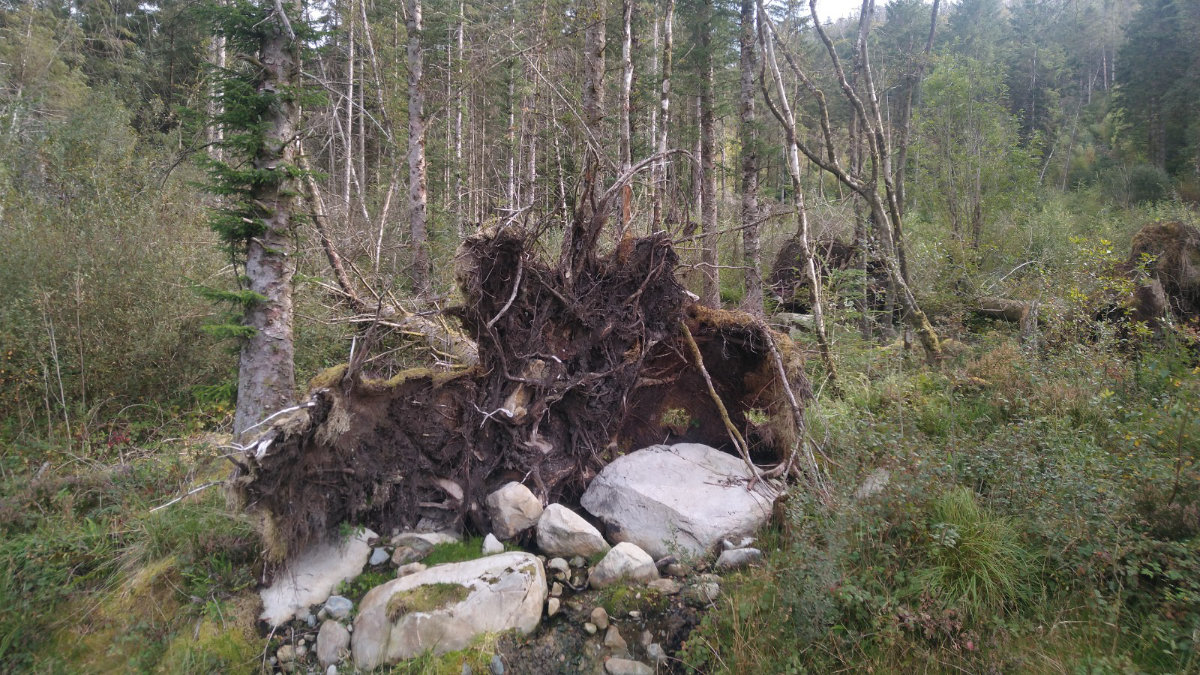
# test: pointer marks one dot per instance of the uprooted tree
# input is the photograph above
(579, 359)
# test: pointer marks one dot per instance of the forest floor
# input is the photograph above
(1042, 515)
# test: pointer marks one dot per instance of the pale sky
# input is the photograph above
(836, 9)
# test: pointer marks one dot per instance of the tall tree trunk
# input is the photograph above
(580, 239)
(416, 153)
(266, 375)
(349, 158)
(659, 174)
(912, 87)
(787, 120)
(753, 300)
(710, 293)
(626, 87)
(459, 107)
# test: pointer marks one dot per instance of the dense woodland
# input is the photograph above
(937, 200)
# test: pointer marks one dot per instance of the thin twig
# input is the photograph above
(511, 297)
(734, 435)
(186, 494)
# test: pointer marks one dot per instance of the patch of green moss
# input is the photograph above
(425, 598)
(467, 549)
(214, 648)
(476, 658)
(328, 377)
(620, 600)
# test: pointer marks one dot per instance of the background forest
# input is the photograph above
(1034, 138)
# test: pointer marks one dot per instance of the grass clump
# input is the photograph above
(976, 560)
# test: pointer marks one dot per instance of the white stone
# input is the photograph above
(492, 545)
(625, 562)
(736, 558)
(680, 499)
(600, 618)
(504, 591)
(379, 556)
(410, 568)
(332, 642)
(562, 532)
(513, 509)
(615, 666)
(311, 577)
(430, 538)
(873, 484)
(552, 606)
(558, 567)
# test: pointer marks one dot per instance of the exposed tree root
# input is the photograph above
(570, 373)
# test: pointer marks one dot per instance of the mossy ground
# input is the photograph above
(425, 598)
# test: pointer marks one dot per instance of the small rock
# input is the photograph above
(624, 562)
(656, 652)
(614, 641)
(406, 554)
(410, 568)
(635, 615)
(556, 589)
(338, 607)
(600, 618)
(558, 567)
(709, 576)
(492, 545)
(737, 558)
(578, 561)
(466, 669)
(590, 628)
(665, 586)
(425, 540)
(616, 666)
(703, 593)
(873, 485)
(676, 570)
(744, 542)
(331, 670)
(301, 651)
(287, 667)
(310, 620)
(378, 556)
(496, 665)
(286, 654)
(646, 638)
(513, 509)
(332, 642)
(552, 606)
(562, 532)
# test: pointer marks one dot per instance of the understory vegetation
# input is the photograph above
(1041, 516)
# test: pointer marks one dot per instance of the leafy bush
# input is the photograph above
(1148, 184)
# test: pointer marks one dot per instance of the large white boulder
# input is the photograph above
(679, 499)
(562, 532)
(447, 606)
(311, 577)
(513, 509)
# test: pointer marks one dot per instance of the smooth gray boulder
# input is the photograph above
(679, 499)
(513, 509)
(562, 532)
(338, 607)
(492, 545)
(625, 562)
(446, 606)
(311, 577)
(332, 642)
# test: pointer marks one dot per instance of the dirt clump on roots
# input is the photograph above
(789, 282)
(1173, 249)
(574, 369)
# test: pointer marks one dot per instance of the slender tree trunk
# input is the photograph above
(659, 172)
(912, 88)
(460, 105)
(787, 120)
(710, 293)
(580, 239)
(626, 88)
(753, 301)
(266, 376)
(349, 143)
(416, 152)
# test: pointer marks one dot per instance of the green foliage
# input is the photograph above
(1148, 184)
